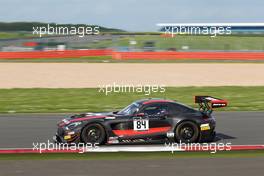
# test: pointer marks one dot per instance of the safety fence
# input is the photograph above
(165, 55)
(189, 55)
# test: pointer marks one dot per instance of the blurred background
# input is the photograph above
(18, 36)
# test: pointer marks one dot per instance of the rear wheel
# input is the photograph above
(187, 132)
(93, 133)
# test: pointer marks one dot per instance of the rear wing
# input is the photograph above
(207, 103)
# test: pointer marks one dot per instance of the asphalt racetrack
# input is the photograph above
(158, 167)
(21, 130)
(235, 127)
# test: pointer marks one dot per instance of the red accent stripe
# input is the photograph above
(87, 118)
(219, 101)
(156, 101)
(224, 148)
(247, 147)
(133, 132)
(14, 151)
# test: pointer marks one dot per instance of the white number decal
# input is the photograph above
(141, 124)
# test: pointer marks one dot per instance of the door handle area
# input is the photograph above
(162, 117)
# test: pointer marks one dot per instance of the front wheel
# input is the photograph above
(93, 133)
(187, 132)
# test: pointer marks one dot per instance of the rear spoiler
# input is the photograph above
(207, 103)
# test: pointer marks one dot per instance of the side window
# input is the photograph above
(174, 109)
(155, 109)
(177, 109)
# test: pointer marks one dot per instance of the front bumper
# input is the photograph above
(58, 139)
(66, 136)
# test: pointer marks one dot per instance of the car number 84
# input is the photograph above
(141, 124)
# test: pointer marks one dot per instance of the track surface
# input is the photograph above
(180, 166)
(237, 127)
(18, 131)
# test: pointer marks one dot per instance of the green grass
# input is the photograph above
(89, 99)
(132, 155)
(11, 35)
(108, 59)
(90, 59)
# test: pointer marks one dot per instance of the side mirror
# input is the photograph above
(140, 114)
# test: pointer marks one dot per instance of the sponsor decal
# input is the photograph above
(110, 118)
(170, 134)
(113, 140)
(67, 137)
(71, 133)
(214, 105)
(205, 127)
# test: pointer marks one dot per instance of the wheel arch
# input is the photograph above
(94, 122)
(188, 120)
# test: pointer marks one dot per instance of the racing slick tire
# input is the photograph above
(93, 134)
(187, 132)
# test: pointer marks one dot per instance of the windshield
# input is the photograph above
(129, 110)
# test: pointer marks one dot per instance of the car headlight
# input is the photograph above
(65, 121)
(73, 125)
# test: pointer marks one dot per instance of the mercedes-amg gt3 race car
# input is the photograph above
(144, 120)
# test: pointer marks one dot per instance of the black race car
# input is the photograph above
(143, 120)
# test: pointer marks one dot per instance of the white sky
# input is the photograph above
(132, 15)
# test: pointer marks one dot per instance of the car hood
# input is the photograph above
(85, 116)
